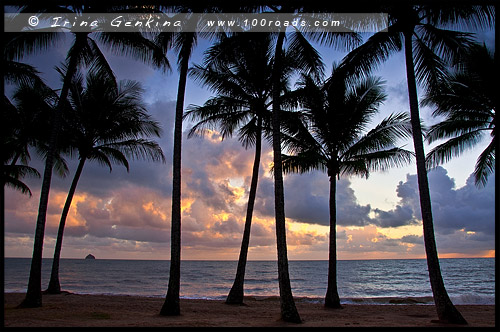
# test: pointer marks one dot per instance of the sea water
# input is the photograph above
(467, 280)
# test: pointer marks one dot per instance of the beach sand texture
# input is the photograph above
(110, 310)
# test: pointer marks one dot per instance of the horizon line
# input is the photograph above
(255, 260)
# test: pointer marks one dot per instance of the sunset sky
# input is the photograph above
(127, 215)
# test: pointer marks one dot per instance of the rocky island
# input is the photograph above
(90, 256)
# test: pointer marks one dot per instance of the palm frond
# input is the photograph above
(338, 40)
(381, 160)
(219, 113)
(20, 44)
(385, 135)
(21, 73)
(376, 50)
(485, 165)
(14, 173)
(305, 56)
(454, 147)
(136, 149)
(303, 162)
(462, 16)
(449, 45)
(456, 127)
(247, 134)
(429, 67)
(101, 156)
(135, 45)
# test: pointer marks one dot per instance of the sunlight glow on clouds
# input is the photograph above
(127, 215)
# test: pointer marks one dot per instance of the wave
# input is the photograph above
(468, 299)
(472, 299)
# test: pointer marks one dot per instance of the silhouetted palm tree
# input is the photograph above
(418, 30)
(311, 63)
(334, 139)
(12, 174)
(18, 45)
(108, 123)
(238, 69)
(28, 120)
(183, 43)
(15, 47)
(83, 51)
(16, 139)
(24, 126)
(297, 44)
(467, 101)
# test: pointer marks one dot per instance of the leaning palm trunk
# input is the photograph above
(34, 292)
(54, 284)
(332, 299)
(445, 309)
(288, 310)
(236, 293)
(171, 306)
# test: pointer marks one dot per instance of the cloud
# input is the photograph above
(368, 242)
(122, 211)
(468, 208)
(307, 199)
(399, 216)
(349, 211)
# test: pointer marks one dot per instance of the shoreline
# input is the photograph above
(70, 309)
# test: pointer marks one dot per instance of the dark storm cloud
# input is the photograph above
(412, 239)
(307, 200)
(399, 216)
(468, 208)
(349, 211)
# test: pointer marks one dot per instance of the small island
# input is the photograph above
(90, 256)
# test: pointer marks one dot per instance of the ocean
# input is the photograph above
(467, 280)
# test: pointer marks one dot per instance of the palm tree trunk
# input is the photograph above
(54, 285)
(171, 306)
(445, 309)
(332, 299)
(236, 293)
(288, 310)
(16, 157)
(34, 293)
(2, 204)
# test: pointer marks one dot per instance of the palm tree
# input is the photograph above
(83, 51)
(16, 46)
(289, 311)
(28, 118)
(23, 128)
(333, 139)
(239, 69)
(15, 146)
(183, 43)
(311, 63)
(12, 174)
(467, 101)
(418, 30)
(108, 123)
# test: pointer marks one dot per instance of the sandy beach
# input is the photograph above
(104, 310)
